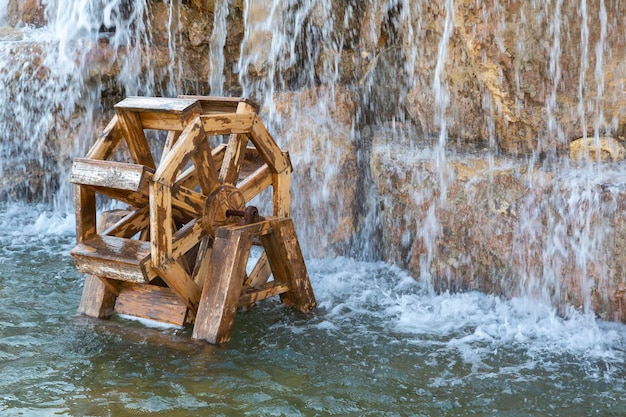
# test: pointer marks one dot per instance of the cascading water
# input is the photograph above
(431, 135)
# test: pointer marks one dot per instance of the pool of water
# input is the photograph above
(379, 344)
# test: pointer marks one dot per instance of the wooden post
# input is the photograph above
(97, 299)
(222, 287)
(287, 263)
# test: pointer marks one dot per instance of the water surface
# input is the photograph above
(380, 343)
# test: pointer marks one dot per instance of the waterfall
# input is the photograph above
(430, 135)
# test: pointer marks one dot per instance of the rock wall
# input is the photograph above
(359, 93)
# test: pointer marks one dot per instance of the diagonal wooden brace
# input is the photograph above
(222, 292)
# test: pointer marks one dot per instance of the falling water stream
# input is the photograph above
(380, 341)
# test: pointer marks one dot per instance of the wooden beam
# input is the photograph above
(281, 196)
(222, 288)
(287, 263)
(172, 137)
(96, 300)
(131, 126)
(233, 158)
(151, 302)
(130, 224)
(260, 273)
(160, 223)
(268, 148)
(256, 183)
(181, 153)
(251, 295)
(85, 204)
(111, 174)
(188, 178)
(187, 237)
(227, 123)
(206, 172)
(181, 283)
(203, 257)
(215, 104)
(107, 142)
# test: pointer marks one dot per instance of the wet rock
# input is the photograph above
(605, 149)
(316, 127)
(26, 12)
(558, 241)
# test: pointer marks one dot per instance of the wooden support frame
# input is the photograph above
(176, 255)
(224, 290)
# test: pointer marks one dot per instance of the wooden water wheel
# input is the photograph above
(178, 252)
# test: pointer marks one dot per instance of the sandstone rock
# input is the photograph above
(26, 12)
(557, 241)
(604, 149)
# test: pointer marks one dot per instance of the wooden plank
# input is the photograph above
(222, 288)
(250, 295)
(281, 197)
(188, 177)
(233, 158)
(215, 104)
(107, 142)
(171, 139)
(111, 174)
(140, 104)
(160, 223)
(115, 258)
(181, 283)
(129, 225)
(187, 237)
(256, 183)
(287, 263)
(96, 300)
(268, 148)
(203, 257)
(227, 123)
(131, 126)
(85, 204)
(151, 302)
(181, 153)
(161, 113)
(206, 172)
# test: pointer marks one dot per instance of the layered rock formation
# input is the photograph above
(434, 135)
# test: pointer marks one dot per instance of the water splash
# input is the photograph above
(57, 74)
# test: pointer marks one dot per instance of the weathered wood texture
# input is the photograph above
(151, 302)
(111, 174)
(98, 298)
(222, 288)
(287, 263)
(176, 231)
(112, 257)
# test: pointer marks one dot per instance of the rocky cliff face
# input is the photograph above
(434, 135)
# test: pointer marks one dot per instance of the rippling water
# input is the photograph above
(379, 344)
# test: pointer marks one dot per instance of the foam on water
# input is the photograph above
(379, 341)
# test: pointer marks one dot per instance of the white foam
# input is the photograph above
(472, 324)
(149, 323)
